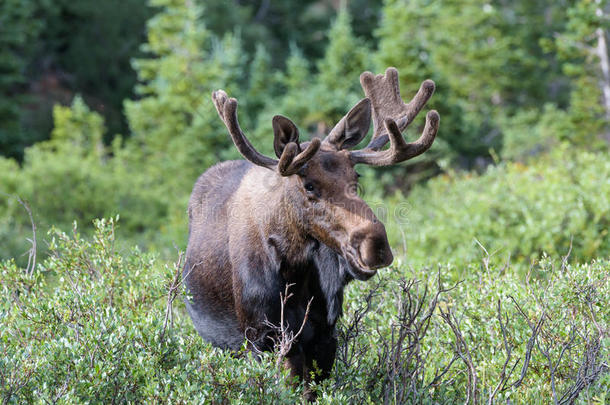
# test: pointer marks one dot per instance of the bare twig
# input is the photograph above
(285, 334)
(16, 379)
(33, 249)
(401, 358)
(591, 368)
(531, 342)
(440, 373)
(564, 259)
(172, 293)
(504, 377)
(348, 351)
(462, 350)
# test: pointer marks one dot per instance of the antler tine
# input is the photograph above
(399, 150)
(290, 162)
(298, 161)
(384, 93)
(227, 109)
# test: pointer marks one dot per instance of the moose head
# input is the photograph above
(318, 179)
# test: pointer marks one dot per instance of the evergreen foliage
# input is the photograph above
(19, 25)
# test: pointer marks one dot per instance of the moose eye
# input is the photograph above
(309, 187)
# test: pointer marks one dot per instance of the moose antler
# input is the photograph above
(391, 116)
(290, 161)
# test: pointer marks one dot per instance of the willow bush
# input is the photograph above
(96, 323)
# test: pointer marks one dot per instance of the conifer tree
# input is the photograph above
(261, 86)
(19, 26)
(294, 100)
(405, 41)
(68, 177)
(175, 123)
(583, 48)
(337, 86)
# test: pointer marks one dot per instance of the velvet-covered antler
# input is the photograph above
(391, 116)
(291, 161)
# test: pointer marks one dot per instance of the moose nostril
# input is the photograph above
(375, 252)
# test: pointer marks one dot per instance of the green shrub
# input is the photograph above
(88, 326)
(74, 177)
(557, 201)
(92, 324)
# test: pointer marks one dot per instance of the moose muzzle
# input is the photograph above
(372, 247)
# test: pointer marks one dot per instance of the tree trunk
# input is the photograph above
(602, 53)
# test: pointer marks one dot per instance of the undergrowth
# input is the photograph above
(96, 324)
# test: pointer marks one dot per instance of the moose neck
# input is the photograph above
(278, 217)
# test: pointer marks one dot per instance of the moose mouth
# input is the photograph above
(356, 267)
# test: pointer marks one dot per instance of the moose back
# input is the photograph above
(261, 224)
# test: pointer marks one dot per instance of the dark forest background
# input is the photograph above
(105, 106)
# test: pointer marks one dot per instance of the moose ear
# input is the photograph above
(353, 127)
(284, 132)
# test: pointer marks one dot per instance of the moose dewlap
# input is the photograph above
(259, 225)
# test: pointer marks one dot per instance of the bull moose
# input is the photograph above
(260, 224)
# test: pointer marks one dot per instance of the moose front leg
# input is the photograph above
(298, 365)
(293, 334)
(256, 293)
(295, 362)
(320, 355)
(312, 359)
